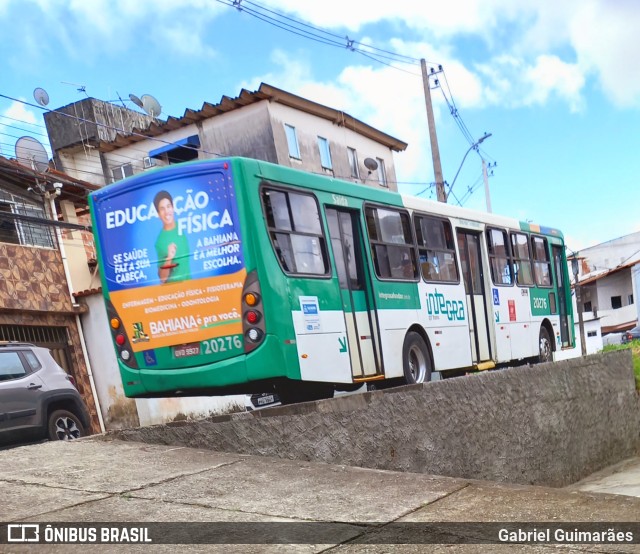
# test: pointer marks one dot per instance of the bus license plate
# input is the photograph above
(185, 350)
(268, 399)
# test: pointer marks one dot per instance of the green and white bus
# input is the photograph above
(234, 275)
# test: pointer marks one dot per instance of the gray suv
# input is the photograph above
(37, 398)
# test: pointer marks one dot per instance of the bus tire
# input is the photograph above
(544, 346)
(416, 359)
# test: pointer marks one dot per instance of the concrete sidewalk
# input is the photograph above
(622, 478)
(112, 481)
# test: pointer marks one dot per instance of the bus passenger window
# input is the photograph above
(522, 259)
(541, 262)
(394, 256)
(436, 248)
(293, 221)
(502, 270)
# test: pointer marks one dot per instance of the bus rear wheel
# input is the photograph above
(544, 342)
(416, 359)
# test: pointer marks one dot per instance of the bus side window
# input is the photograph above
(293, 221)
(502, 270)
(392, 250)
(541, 261)
(522, 259)
(437, 249)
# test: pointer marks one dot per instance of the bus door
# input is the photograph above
(473, 275)
(561, 285)
(359, 313)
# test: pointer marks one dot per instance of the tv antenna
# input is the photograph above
(81, 88)
(151, 105)
(30, 153)
(136, 100)
(41, 96)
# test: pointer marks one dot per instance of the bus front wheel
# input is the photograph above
(544, 342)
(416, 359)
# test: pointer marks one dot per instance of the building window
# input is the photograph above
(616, 302)
(353, 162)
(27, 232)
(436, 249)
(382, 173)
(123, 171)
(630, 299)
(325, 153)
(592, 334)
(292, 141)
(394, 256)
(587, 306)
(293, 220)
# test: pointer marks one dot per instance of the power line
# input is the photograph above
(350, 42)
(299, 28)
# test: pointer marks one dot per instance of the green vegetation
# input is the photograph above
(635, 349)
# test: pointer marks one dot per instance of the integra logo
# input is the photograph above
(438, 305)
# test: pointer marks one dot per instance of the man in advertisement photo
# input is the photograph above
(172, 247)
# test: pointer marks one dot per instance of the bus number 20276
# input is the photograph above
(222, 344)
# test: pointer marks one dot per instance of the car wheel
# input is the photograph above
(544, 342)
(64, 426)
(416, 360)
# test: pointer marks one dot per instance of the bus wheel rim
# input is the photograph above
(545, 348)
(417, 364)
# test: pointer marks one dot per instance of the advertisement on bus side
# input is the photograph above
(173, 260)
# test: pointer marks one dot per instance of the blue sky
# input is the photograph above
(555, 83)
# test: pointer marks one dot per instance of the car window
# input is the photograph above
(32, 359)
(11, 366)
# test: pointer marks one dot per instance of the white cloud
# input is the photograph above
(19, 121)
(84, 28)
(606, 39)
(550, 74)
(557, 45)
(18, 110)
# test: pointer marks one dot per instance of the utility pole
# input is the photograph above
(485, 176)
(435, 151)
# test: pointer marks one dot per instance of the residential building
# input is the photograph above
(609, 278)
(36, 304)
(268, 124)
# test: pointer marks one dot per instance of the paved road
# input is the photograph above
(111, 481)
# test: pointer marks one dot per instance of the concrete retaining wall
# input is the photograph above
(550, 424)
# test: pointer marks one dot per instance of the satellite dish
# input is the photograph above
(136, 100)
(151, 105)
(41, 96)
(370, 164)
(31, 154)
